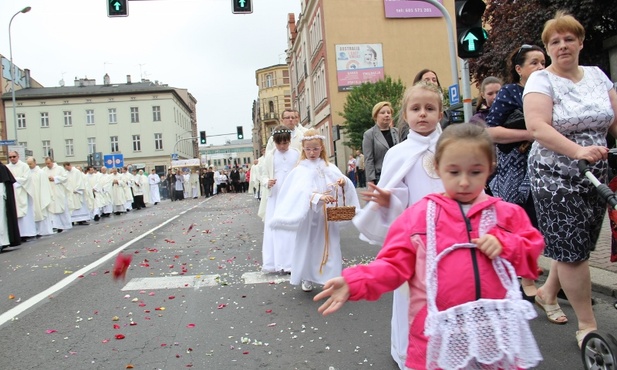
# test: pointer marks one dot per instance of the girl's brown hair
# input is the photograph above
(281, 134)
(456, 133)
(313, 135)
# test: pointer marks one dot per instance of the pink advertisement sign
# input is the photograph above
(410, 9)
(358, 63)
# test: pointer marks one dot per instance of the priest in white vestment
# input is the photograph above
(24, 195)
(104, 192)
(118, 192)
(59, 207)
(76, 187)
(42, 199)
(127, 177)
(154, 180)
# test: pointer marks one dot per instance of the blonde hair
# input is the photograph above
(456, 133)
(315, 137)
(380, 105)
(562, 22)
(421, 86)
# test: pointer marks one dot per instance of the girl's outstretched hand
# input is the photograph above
(338, 292)
(489, 245)
(377, 195)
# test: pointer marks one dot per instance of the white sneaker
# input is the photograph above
(307, 286)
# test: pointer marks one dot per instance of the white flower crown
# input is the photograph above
(285, 131)
(314, 137)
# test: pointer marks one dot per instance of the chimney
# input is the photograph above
(106, 80)
(128, 79)
(27, 73)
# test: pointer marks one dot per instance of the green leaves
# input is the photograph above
(359, 105)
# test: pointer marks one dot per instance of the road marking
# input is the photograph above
(199, 281)
(172, 282)
(29, 303)
(261, 278)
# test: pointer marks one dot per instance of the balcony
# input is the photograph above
(267, 116)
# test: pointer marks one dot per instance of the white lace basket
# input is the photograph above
(483, 334)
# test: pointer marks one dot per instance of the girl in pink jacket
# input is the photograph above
(446, 247)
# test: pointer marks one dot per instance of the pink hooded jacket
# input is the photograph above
(463, 275)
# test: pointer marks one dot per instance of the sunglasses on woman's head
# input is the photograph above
(523, 47)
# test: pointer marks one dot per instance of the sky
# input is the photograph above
(194, 44)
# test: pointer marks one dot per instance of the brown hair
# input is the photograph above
(466, 131)
(380, 105)
(487, 81)
(421, 74)
(310, 135)
(562, 22)
(281, 134)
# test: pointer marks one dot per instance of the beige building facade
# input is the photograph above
(335, 45)
(274, 96)
(145, 122)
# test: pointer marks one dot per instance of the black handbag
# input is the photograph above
(516, 120)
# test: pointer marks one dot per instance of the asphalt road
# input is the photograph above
(194, 298)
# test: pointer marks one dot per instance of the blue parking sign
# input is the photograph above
(453, 93)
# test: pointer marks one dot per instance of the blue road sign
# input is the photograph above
(113, 160)
(454, 96)
(7, 142)
(174, 156)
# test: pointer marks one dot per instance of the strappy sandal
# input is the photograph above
(581, 334)
(554, 313)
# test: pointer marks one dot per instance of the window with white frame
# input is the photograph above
(156, 113)
(319, 85)
(23, 143)
(68, 118)
(89, 116)
(315, 33)
(269, 80)
(137, 143)
(44, 119)
(46, 148)
(91, 145)
(69, 150)
(113, 118)
(134, 114)
(114, 144)
(158, 141)
(21, 120)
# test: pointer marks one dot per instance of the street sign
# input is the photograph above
(454, 95)
(97, 159)
(113, 160)
(7, 142)
(174, 156)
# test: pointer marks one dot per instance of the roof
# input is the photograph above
(67, 91)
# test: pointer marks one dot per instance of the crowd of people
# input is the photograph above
(470, 205)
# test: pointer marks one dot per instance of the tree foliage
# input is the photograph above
(512, 23)
(358, 107)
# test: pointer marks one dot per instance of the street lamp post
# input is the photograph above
(24, 10)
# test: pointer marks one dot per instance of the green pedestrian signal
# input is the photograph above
(117, 8)
(470, 34)
(242, 6)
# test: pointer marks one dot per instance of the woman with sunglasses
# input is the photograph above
(569, 110)
(507, 128)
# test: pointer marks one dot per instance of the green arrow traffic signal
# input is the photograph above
(117, 8)
(242, 6)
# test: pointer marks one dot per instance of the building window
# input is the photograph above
(90, 117)
(44, 119)
(156, 113)
(68, 148)
(47, 148)
(68, 119)
(112, 115)
(91, 145)
(269, 80)
(158, 141)
(21, 120)
(114, 144)
(23, 143)
(134, 114)
(136, 143)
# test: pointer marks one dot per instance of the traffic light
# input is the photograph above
(239, 131)
(202, 137)
(242, 6)
(470, 34)
(117, 8)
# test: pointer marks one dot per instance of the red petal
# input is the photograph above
(190, 326)
(122, 264)
(116, 326)
(268, 311)
(222, 305)
(120, 336)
